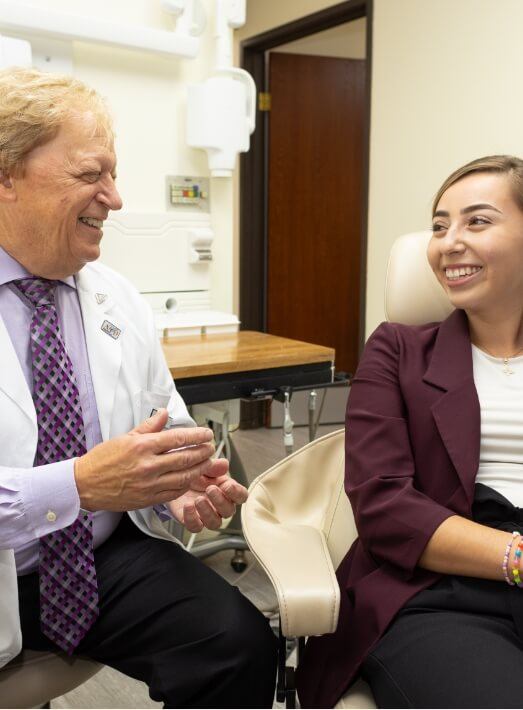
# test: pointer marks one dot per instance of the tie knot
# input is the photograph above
(40, 292)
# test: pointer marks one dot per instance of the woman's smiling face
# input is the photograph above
(476, 249)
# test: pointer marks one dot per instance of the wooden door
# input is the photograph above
(316, 151)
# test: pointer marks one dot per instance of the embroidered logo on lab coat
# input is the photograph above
(111, 329)
(100, 297)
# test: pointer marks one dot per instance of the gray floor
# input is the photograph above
(259, 449)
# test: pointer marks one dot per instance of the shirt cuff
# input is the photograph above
(50, 497)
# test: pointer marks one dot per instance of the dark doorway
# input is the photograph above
(315, 168)
(256, 273)
(254, 164)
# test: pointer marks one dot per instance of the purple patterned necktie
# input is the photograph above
(68, 589)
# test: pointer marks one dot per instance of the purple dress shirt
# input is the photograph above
(27, 494)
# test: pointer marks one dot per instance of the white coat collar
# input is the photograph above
(12, 380)
(104, 332)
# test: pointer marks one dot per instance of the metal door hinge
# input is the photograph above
(264, 101)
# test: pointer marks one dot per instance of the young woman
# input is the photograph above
(432, 610)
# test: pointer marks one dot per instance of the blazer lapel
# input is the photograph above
(103, 331)
(456, 412)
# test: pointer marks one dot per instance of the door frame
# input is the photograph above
(254, 164)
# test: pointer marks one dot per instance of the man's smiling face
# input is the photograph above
(53, 213)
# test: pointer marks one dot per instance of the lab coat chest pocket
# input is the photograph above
(146, 402)
(137, 364)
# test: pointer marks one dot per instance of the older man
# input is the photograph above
(80, 367)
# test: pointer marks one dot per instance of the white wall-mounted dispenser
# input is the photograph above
(221, 117)
(200, 243)
(221, 111)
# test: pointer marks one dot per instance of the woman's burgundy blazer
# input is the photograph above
(412, 454)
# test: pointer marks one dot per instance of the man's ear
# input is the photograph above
(7, 188)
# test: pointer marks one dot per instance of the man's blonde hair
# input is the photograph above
(33, 106)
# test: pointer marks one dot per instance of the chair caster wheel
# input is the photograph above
(238, 561)
(239, 566)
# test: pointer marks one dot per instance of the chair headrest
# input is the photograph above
(413, 295)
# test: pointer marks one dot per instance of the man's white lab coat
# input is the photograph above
(126, 362)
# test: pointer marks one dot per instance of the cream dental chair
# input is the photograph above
(298, 521)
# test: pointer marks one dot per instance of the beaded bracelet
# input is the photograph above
(505, 559)
(517, 564)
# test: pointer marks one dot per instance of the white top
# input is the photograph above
(501, 402)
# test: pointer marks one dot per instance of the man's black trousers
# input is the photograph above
(168, 620)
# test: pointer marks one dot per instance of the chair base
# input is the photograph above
(358, 696)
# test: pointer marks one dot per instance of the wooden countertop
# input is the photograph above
(219, 353)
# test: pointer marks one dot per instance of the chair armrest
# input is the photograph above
(297, 561)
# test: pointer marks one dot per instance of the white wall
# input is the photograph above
(446, 88)
(147, 96)
(345, 41)
(263, 15)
